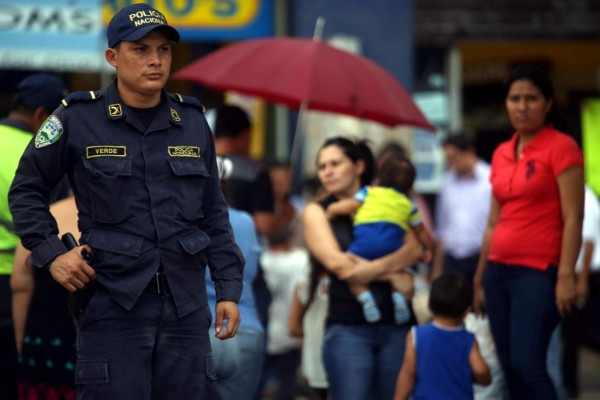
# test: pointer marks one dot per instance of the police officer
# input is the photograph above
(36, 96)
(141, 162)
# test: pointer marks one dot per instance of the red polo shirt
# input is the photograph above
(530, 226)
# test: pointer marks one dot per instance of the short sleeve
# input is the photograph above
(361, 195)
(303, 289)
(565, 154)
(415, 217)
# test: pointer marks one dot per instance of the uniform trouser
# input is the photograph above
(147, 353)
(521, 306)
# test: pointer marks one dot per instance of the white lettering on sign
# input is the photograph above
(58, 35)
(48, 19)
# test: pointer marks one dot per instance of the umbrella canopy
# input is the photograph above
(296, 71)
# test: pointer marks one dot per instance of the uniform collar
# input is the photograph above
(115, 108)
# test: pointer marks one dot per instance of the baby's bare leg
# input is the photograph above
(364, 296)
(403, 290)
(403, 282)
(357, 288)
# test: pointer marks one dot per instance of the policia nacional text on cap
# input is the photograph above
(136, 21)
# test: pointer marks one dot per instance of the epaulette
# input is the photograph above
(188, 100)
(81, 96)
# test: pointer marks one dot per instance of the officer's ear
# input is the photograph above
(39, 116)
(111, 56)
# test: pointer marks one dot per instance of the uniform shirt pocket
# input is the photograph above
(111, 249)
(109, 180)
(195, 245)
(190, 180)
(116, 242)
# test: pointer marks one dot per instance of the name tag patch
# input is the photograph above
(105, 151)
(184, 151)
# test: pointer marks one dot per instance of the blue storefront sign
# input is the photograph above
(59, 35)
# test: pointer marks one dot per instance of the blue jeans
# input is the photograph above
(554, 361)
(521, 306)
(238, 363)
(147, 352)
(363, 361)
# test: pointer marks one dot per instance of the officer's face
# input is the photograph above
(143, 66)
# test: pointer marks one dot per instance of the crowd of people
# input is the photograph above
(199, 276)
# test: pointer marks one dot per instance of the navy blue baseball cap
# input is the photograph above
(40, 90)
(135, 21)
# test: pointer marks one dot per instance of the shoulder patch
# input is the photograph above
(81, 96)
(187, 100)
(50, 131)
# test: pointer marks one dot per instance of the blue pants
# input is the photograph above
(521, 306)
(145, 353)
(363, 361)
(238, 363)
(463, 266)
(283, 370)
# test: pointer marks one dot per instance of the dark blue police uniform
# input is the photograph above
(149, 200)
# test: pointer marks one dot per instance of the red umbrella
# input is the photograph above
(295, 71)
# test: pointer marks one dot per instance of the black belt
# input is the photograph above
(158, 284)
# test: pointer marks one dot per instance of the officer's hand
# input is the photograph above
(226, 311)
(71, 270)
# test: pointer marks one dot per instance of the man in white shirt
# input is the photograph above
(576, 326)
(462, 209)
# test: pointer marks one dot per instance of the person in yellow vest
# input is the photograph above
(36, 97)
(384, 213)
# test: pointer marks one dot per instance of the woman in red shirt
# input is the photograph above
(533, 235)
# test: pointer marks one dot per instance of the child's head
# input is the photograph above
(282, 238)
(450, 296)
(397, 171)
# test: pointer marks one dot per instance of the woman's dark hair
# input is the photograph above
(450, 295)
(542, 81)
(355, 150)
(317, 270)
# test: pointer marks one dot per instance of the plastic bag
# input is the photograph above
(480, 326)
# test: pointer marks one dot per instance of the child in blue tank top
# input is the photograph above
(442, 360)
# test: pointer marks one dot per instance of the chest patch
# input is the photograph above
(49, 132)
(105, 151)
(184, 151)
